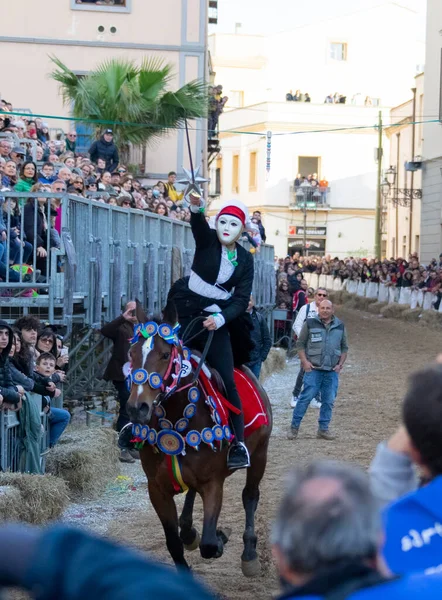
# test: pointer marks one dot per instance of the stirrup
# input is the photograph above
(124, 438)
(238, 456)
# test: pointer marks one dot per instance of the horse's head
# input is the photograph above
(154, 358)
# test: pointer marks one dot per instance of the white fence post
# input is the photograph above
(405, 296)
(314, 281)
(383, 293)
(329, 282)
(322, 282)
(428, 301)
(337, 285)
(362, 287)
(372, 290)
(414, 299)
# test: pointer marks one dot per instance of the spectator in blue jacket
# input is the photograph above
(413, 519)
(327, 540)
(69, 564)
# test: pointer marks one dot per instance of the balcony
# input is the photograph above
(309, 198)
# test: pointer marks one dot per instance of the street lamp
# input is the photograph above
(385, 188)
(390, 175)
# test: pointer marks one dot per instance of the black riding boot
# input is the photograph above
(238, 455)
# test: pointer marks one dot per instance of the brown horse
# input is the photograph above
(203, 471)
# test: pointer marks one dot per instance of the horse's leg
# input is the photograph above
(250, 564)
(212, 544)
(165, 507)
(188, 534)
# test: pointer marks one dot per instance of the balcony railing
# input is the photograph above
(311, 198)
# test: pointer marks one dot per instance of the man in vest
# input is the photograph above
(322, 348)
(307, 311)
(327, 540)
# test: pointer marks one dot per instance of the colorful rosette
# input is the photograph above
(227, 432)
(181, 425)
(140, 376)
(165, 424)
(189, 411)
(137, 329)
(193, 394)
(207, 435)
(144, 432)
(150, 328)
(136, 430)
(155, 381)
(193, 438)
(152, 437)
(166, 332)
(159, 411)
(217, 417)
(170, 442)
(218, 433)
(186, 353)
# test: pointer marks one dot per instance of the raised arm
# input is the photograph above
(200, 228)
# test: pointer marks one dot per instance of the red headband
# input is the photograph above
(233, 211)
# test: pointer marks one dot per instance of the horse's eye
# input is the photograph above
(166, 355)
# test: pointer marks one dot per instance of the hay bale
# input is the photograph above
(87, 459)
(411, 315)
(376, 307)
(10, 501)
(432, 319)
(393, 311)
(362, 303)
(275, 362)
(37, 498)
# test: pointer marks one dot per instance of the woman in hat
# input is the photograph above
(219, 289)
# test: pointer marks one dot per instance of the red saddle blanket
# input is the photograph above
(253, 408)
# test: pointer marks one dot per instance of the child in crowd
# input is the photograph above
(58, 417)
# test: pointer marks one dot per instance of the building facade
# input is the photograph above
(402, 205)
(337, 141)
(431, 219)
(84, 34)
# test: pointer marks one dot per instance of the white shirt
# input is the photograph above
(302, 316)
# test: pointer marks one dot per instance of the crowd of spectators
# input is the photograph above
(400, 273)
(336, 98)
(33, 360)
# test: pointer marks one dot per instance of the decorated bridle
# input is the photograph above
(179, 364)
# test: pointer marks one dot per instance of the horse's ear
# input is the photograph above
(140, 313)
(170, 314)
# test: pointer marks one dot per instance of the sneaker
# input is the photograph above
(324, 434)
(315, 404)
(125, 457)
(294, 401)
(238, 457)
(292, 433)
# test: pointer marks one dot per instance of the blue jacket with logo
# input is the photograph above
(413, 530)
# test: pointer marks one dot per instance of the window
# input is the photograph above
(416, 243)
(122, 6)
(393, 247)
(235, 174)
(404, 245)
(252, 172)
(338, 51)
(218, 175)
(236, 99)
(309, 165)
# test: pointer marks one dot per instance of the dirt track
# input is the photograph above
(382, 353)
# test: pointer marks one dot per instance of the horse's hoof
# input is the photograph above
(224, 534)
(195, 544)
(251, 568)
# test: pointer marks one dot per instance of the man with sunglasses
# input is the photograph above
(308, 311)
(71, 141)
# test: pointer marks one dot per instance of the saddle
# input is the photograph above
(253, 408)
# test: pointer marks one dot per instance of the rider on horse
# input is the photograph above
(219, 289)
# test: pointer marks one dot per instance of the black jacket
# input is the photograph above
(40, 238)
(120, 332)
(7, 387)
(260, 337)
(206, 264)
(107, 151)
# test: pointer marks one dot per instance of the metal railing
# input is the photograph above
(309, 197)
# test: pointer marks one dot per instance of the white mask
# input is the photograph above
(229, 229)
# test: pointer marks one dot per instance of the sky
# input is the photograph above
(270, 16)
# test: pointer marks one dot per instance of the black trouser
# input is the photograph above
(123, 397)
(220, 357)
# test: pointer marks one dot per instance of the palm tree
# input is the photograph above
(133, 99)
